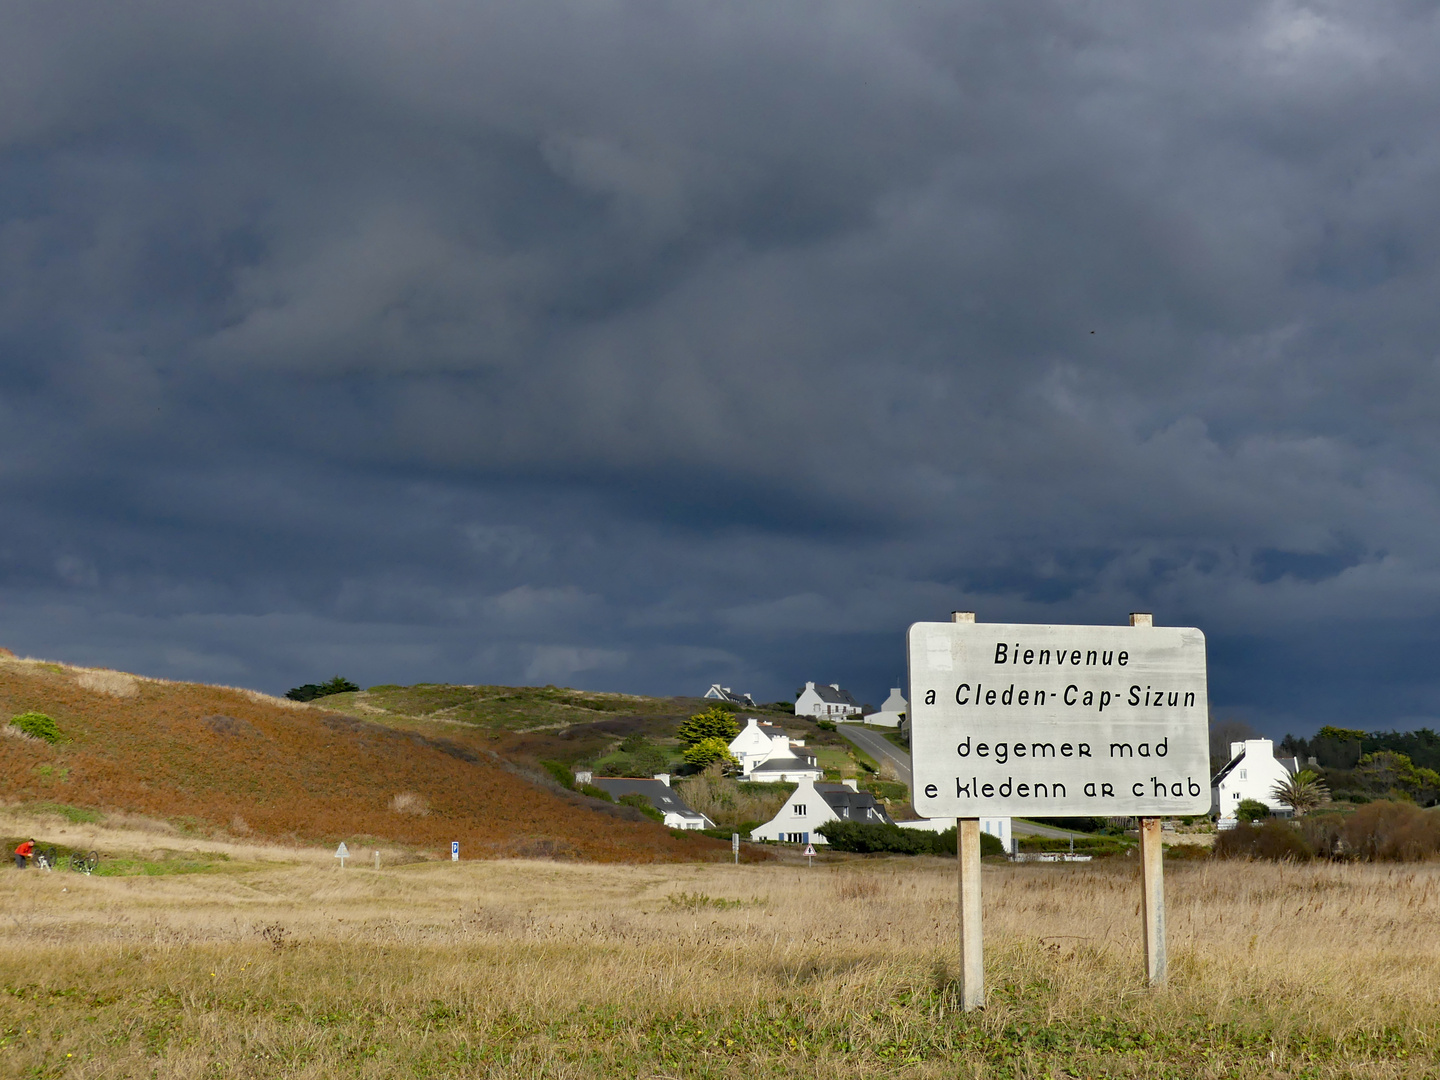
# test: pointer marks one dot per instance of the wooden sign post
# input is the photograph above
(1057, 721)
(1152, 874)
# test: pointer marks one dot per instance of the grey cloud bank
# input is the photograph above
(638, 346)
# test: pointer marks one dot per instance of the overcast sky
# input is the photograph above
(643, 345)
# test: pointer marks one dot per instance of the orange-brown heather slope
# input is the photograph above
(238, 760)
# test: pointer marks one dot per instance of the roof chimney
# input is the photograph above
(663, 777)
(853, 785)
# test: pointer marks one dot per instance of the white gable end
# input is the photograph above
(803, 813)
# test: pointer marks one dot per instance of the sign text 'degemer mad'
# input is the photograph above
(1021, 720)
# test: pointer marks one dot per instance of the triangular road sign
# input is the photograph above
(810, 850)
(341, 852)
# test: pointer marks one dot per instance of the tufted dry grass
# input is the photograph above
(528, 969)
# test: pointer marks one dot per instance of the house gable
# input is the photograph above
(797, 821)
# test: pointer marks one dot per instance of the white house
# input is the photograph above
(812, 805)
(752, 745)
(724, 693)
(826, 702)
(657, 792)
(767, 757)
(787, 764)
(998, 827)
(891, 712)
(1252, 773)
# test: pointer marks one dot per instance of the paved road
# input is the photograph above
(882, 749)
(879, 748)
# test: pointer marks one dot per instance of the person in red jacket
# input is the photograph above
(22, 853)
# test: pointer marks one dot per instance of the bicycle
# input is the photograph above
(86, 863)
(45, 858)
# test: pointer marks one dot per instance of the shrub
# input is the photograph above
(311, 691)
(640, 758)
(874, 836)
(38, 726)
(641, 803)
(561, 773)
(825, 725)
(1322, 832)
(1384, 831)
(1277, 841)
(707, 752)
(1251, 810)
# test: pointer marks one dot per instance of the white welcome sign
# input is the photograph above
(1058, 721)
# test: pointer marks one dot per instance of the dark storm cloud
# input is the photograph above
(641, 345)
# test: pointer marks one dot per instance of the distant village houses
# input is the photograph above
(826, 702)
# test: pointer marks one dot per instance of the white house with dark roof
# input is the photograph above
(812, 805)
(1251, 773)
(787, 764)
(892, 712)
(724, 693)
(753, 745)
(659, 794)
(779, 758)
(826, 702)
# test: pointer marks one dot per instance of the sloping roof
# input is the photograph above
(788, 762)
(660, 794)
(724, 693)
(1228, 769)
(840, 798)
(832, 696)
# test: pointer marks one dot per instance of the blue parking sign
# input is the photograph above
(455, 850)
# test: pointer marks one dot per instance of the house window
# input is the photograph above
(1240, 775)
(800, 809)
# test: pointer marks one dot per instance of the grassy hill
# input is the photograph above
(212, 758)
(540, 723)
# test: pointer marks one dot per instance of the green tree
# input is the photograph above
(707, 752)
(1251, 810)
(1301, 792)
(713, 723)
(1392, 773)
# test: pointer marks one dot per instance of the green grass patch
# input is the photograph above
(890, 790)
(76, 815)
(136, 867)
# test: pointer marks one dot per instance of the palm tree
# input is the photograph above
(1301, 792)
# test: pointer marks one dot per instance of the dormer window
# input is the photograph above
(800, 809)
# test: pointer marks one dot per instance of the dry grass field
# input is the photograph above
(275, 962)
